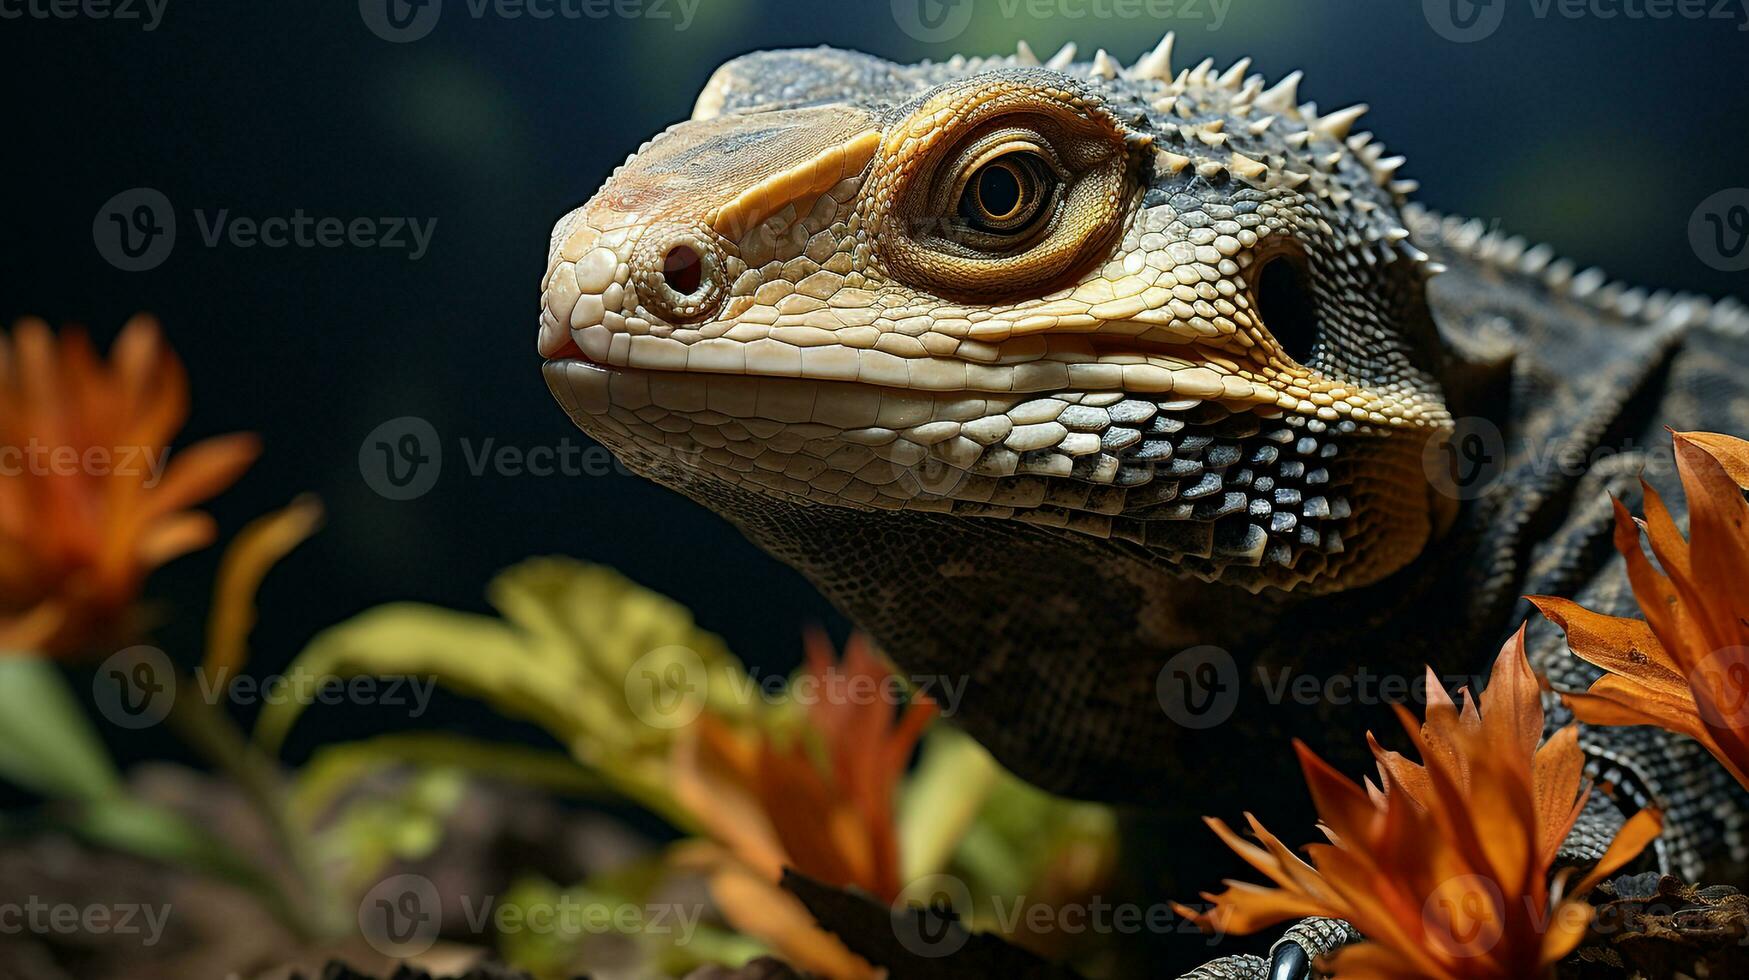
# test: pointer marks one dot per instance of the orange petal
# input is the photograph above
(255, 549)
(1731, 453)
(1567, 927)
(1718, 522)
(1619, 646)
(714, 771)
(757, 907)
(1558, 771)
(32, 630)
(1633, 837)
(1512, 711)
(1617, 700)
(1341, 803)
(202, 470)
(1371, 961)
(174, 536)
(1245, 908)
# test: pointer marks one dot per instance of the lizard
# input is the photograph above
(1053, 373)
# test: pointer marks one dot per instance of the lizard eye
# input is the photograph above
(1007, 194)
(1020, 202)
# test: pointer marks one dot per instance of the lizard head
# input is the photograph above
(1173, 315)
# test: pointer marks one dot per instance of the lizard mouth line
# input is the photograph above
(1075, 363)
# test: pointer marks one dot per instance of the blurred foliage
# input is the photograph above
(576, 645)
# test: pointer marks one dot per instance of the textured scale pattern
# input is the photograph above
(1047, 469)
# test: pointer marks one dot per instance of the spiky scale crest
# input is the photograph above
(1515, 256)
(1232, 123)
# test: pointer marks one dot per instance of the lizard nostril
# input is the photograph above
(678, 271)
(683, 270)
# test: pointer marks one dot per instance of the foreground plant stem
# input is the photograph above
(210, 731)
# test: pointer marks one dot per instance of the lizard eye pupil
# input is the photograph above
(683, 270)
(999, 191)
(1005, 196)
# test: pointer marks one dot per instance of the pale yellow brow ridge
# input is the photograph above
(808, 179)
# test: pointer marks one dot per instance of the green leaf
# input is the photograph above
(406, 823)
(46, 742)
(941, 800)
(159, 834)
(335, 769)
(608, 668)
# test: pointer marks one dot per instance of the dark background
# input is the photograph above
(1599, 135)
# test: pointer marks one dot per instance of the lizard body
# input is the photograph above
(1047, 372)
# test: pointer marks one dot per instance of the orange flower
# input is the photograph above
(771, 804)
(1685, 667)
(1445, 869)
(88, 505)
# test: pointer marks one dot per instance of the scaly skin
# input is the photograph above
(1192, 401)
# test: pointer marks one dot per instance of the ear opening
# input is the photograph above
(1285, 302)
